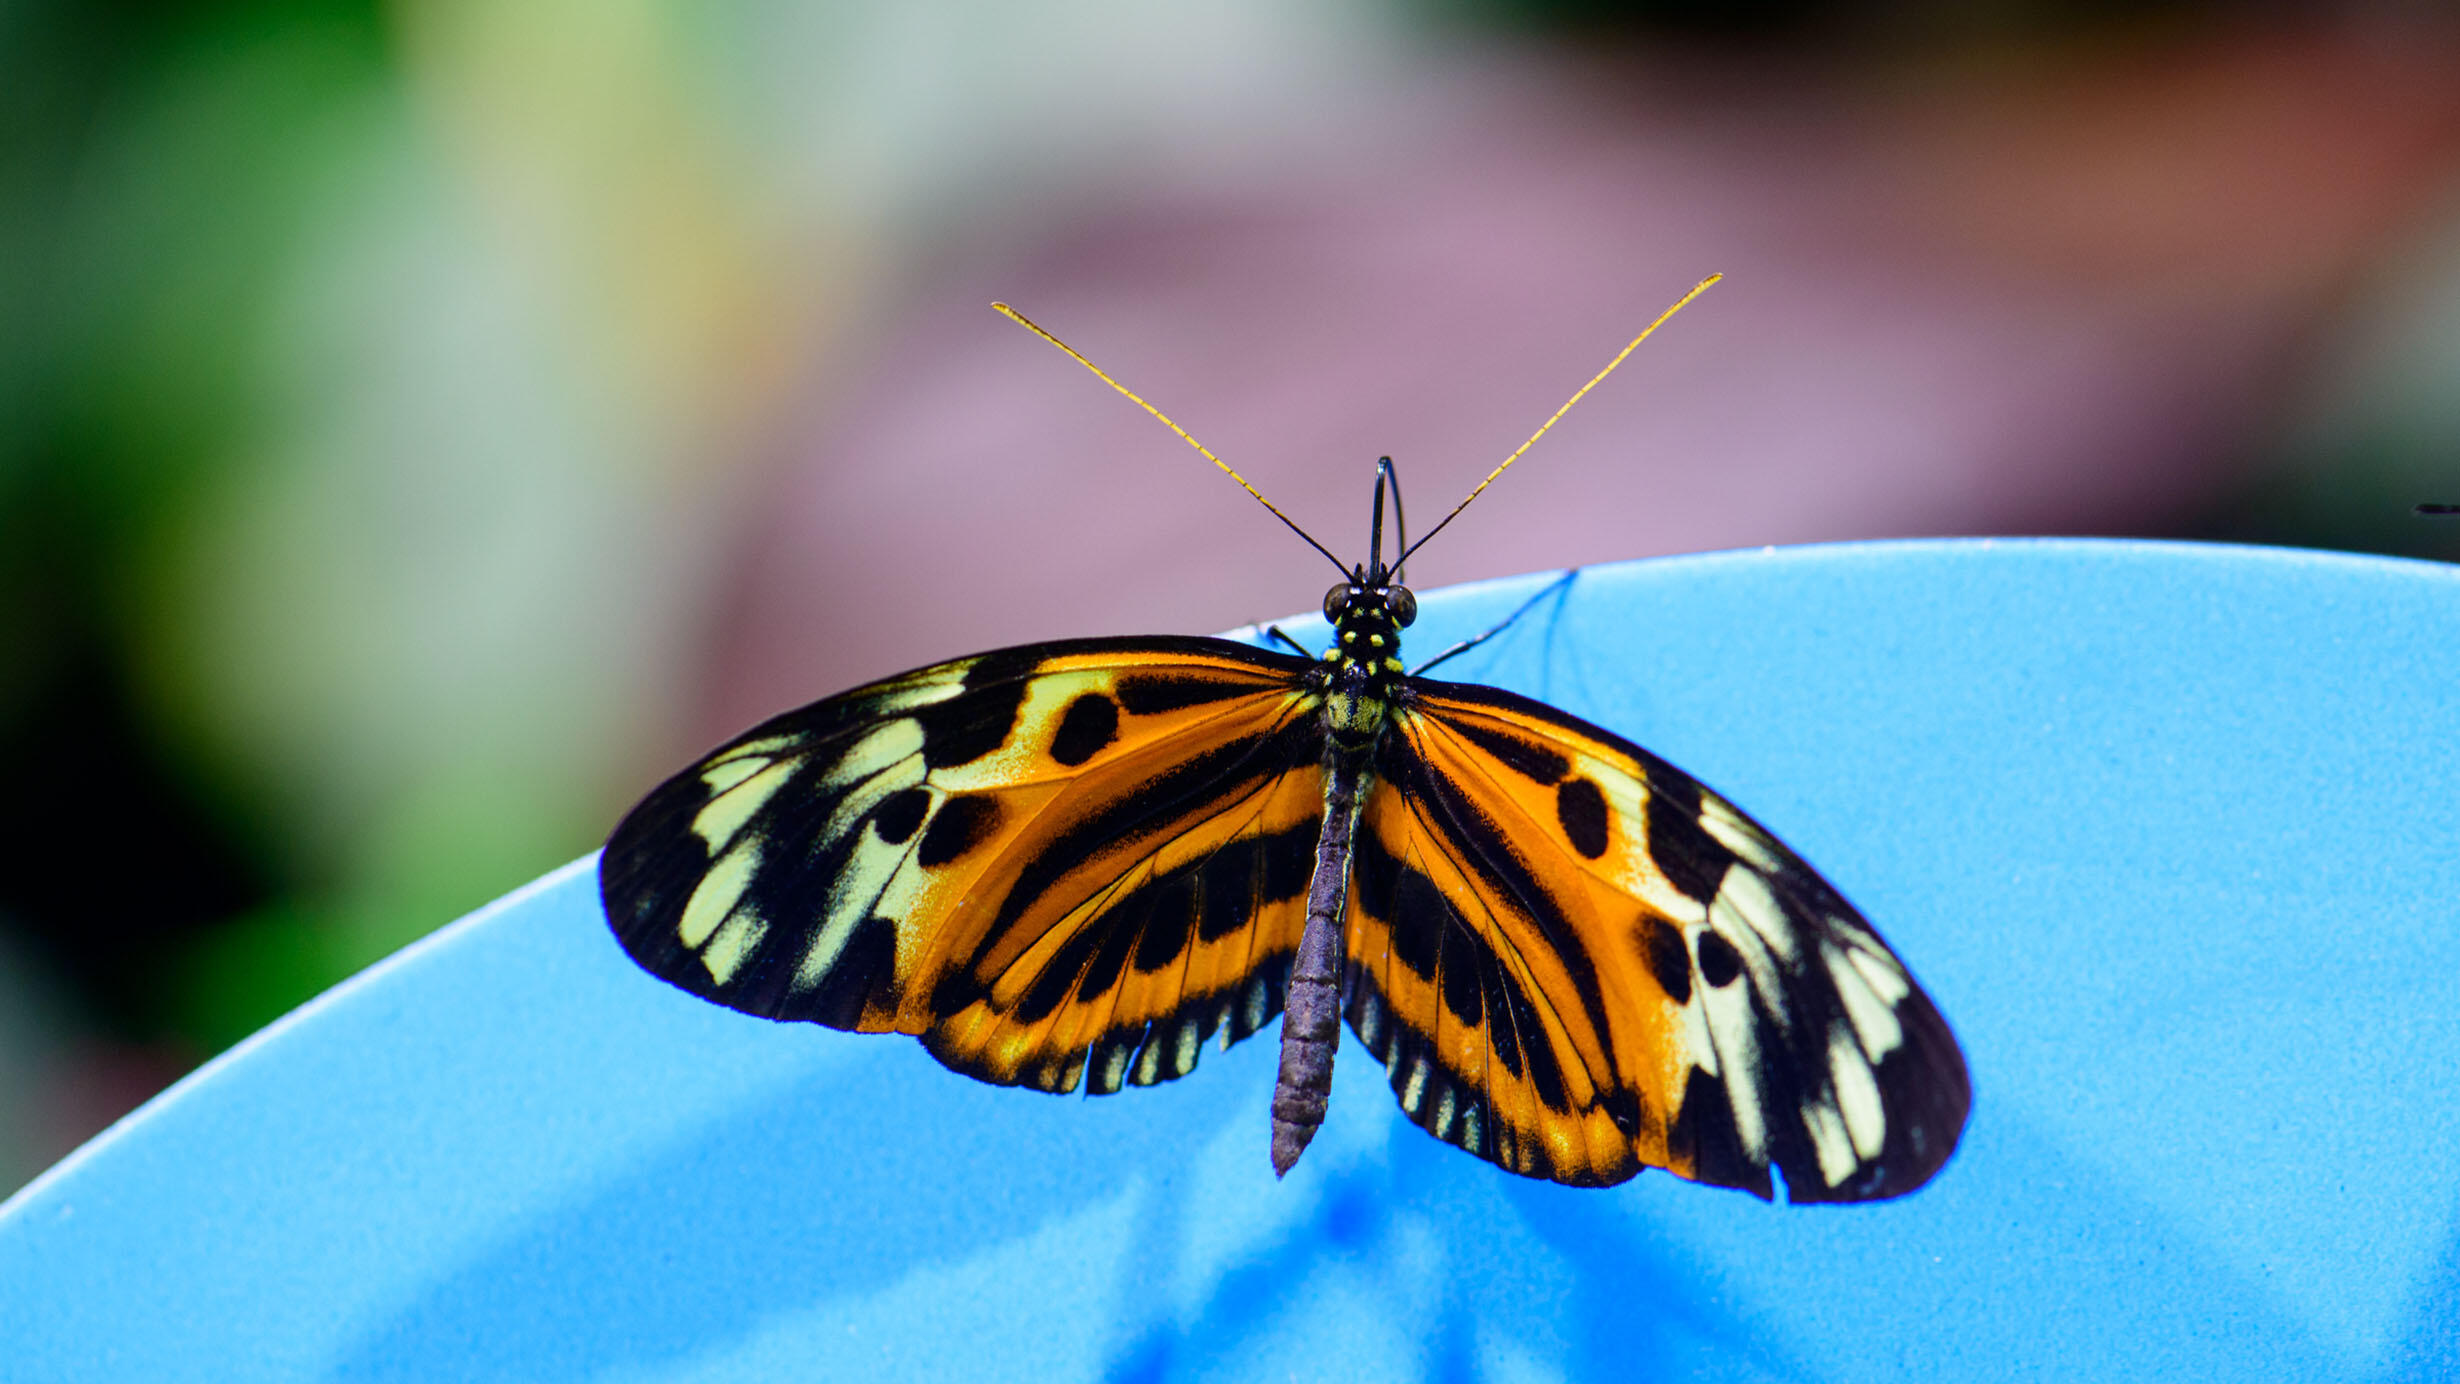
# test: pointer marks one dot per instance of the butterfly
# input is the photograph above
(1070, 865)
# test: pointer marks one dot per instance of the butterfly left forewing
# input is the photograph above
(1057, 863)
(1660, 982)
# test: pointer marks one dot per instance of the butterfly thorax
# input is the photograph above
(1361, 674)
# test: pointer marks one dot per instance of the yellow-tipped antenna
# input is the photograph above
(1164, 419)
(1680, 303)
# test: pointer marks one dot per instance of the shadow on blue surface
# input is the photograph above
(753, 1223)
(2429, 1349)
(780, 1207)
(767, 1216)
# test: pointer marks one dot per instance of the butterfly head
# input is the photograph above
(1367, 618)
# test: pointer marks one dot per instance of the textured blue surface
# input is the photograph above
(2171, 833)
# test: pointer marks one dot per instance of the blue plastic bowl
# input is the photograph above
(2172, 834)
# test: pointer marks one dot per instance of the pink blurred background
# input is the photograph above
(422, 426)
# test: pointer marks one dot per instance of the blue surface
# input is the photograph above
(2168, 831)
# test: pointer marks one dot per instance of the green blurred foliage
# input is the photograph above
(165, 171)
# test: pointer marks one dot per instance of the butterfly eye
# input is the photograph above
(1336, 601)
(1404, 606)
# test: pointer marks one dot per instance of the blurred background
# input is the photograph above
(423, 425)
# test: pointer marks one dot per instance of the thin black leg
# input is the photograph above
(1467, 644)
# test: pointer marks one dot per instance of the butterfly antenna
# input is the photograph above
(1680, 303)
(1375, 574)
(1164, 419)
(1387, 474)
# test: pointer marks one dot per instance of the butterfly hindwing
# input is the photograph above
(1576, 962)
(1065, 861)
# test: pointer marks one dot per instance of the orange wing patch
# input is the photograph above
(1576, 962)
(1076, 860)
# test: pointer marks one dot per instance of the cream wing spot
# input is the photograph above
(1733, 831)
(879, 750)
(847, 817)
(717, 894)
(1413, 1090)
(1183, 1052)
(766, 748)
(1886, 979)
(926, 688)
(1726, 924)
(726, 773)
(1698, 1047)
(723, 816)
(1734, 1037)
(1022, 754)
(1875, 1024)
(1830, 1142)
(736, 940)
(1857, 1096)
(1745, 897)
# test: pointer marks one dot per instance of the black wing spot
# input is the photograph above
(1704, 1134)
(1502, 1030)
(1144, 694)
(1689, 857)
(1091, 721)
(961, 824)
(1582, 811)
(971, 724)
(1622, 1107)
(1166, 933)
(1662, 943)
(1058, 979)
(1464, 987)
(1289, 860)
(896, 818)
(1420, 917)
(1545, 1073)
(1119, 939)
(1232, 879)
(1719, 962)
(1414, 911)
(1524, 757)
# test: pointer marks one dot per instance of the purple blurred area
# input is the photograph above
(423, 427)
(2002, 293)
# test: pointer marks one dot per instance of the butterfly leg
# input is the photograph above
(1503, 624)
(1295, 647)
(1311, 1013)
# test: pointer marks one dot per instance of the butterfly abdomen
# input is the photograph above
(1311, 1008)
